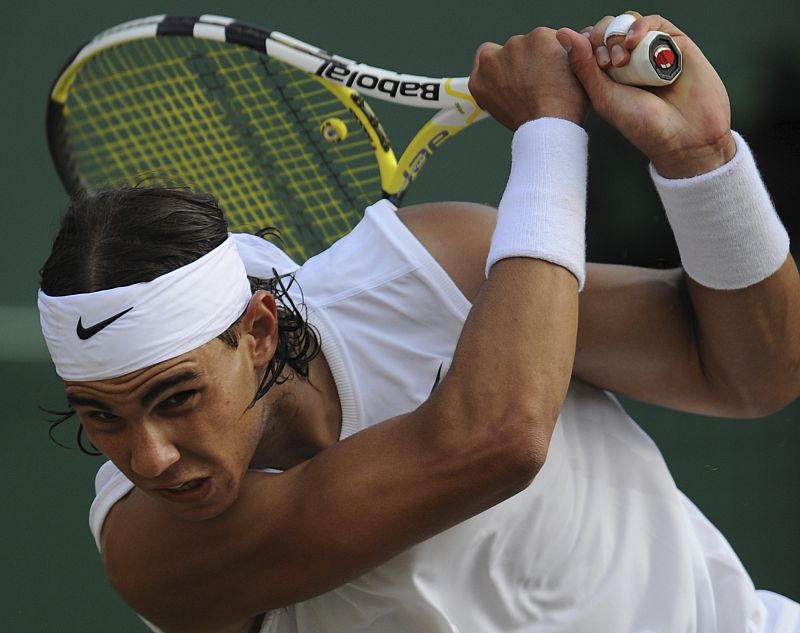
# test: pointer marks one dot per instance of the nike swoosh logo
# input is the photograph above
(437, 379)
(88, 332)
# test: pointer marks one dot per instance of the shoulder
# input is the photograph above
(457, 234)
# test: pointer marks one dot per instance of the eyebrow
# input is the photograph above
(160, 387)
(87, 402)
(152, 393)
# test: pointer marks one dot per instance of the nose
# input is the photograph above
(152, 450)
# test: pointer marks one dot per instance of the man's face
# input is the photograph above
(181, 430)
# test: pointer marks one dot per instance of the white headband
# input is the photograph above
(109, 333)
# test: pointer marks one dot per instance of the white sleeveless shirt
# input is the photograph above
(601, 542)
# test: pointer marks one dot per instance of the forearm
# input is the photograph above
(657, 336)
(722, 339)
(748, 342)
(743, 287)
(524, 369)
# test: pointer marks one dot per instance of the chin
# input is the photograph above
(200, 515)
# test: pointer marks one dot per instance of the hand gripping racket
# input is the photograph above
(278, 130)
(655, 61)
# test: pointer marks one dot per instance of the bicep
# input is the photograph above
(457, 234)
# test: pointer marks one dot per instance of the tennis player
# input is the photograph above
(433, 448)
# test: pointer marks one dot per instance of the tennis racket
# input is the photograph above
(278, 130)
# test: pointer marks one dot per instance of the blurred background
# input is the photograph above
(743, 474)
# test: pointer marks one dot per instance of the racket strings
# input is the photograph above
(229, 121)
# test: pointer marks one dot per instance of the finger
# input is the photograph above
(599, 30)
(602, 56)
(605, 94)
(487, 48)
(620, 25)
(623, 34)
(475, 84)
(615, 35)
(621, 47)
(617, 52)
(643, 25)
(597, 38)
(582, 60)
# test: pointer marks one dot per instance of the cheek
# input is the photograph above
(236, 377)
(228, 415)
(230, 424)
(91, 438)
(112, 445)
(246, 427)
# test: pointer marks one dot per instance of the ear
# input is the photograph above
(260, 327)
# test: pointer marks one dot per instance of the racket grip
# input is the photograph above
(656, 61)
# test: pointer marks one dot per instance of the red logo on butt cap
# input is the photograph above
(664, 57)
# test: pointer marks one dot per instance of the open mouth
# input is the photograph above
(188, 491)
(189, 485)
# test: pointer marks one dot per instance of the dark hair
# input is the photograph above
(128, 235)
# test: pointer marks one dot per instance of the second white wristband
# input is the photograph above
(542, 213)
(725, 225)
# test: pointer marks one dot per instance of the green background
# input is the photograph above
(743, 474)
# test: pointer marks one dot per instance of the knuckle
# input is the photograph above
(486, 51)
(480, 50)
(653, 21)
(541, 32)
(481, 56)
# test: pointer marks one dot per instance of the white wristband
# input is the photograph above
(725, 225)
(542, 213)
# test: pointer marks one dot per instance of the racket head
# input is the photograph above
(149, 101)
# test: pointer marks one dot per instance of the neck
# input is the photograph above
(302, 416)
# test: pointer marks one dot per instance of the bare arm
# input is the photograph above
(654, 335)
(480, 438)
(681, 345)
(744, 347)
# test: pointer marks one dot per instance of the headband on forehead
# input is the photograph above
(109, 333)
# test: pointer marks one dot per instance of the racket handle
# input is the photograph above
(656, 61)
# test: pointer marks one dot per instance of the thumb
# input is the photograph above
(583, 63)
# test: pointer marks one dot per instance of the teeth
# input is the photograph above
(187, 486)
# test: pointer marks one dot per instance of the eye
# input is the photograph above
(101, 416)
(177, 399)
